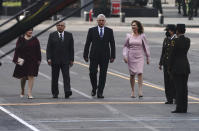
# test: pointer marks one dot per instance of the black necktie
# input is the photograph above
(61, 37)
(101, 33)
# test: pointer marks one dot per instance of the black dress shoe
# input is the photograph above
(93, 92)
(140, 96)
(68, 94)
(169, 102)
(100, 96)
(179, 111)
(175, 111)
(55, 96)
(67, 97)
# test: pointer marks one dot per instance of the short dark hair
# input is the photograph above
(140, 27)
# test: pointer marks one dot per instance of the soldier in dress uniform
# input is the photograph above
(184, 7)
(179, 68)
(190, 9)
(168, 81)
(158, 5)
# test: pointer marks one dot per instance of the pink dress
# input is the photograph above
(134, 49)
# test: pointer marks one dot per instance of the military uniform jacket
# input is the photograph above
(178, 61)
(166, 49)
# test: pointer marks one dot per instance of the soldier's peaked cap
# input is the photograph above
(171, 27)
(180, 26)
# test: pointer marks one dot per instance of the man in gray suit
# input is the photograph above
(60, 55)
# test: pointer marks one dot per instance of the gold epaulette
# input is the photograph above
(172, 43)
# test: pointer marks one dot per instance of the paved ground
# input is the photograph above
(85, 113)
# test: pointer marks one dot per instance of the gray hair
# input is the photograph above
(101, 16)
(61, 22)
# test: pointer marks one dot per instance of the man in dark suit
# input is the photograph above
(180, 69)
(99, 49)
(166, 48)
(60, 55)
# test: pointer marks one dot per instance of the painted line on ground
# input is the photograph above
(83, 102)
(85, 95)
(127, 78)
(61, 83)
(13, 115)
(120, 120)
(19, 119)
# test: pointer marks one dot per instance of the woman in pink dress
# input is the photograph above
(134, 49)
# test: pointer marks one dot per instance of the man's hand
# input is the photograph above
(112, 60)
(49, 62)
(86, 59)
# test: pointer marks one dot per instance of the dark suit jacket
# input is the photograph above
(178, 62)
(101, 47)
(60, 52)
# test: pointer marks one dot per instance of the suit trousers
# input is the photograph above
(180, 82)
(93, 68)
(184, 7)
(169, 85)
(55, 77)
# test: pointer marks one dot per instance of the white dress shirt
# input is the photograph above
(61, 34)
(102, 30)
